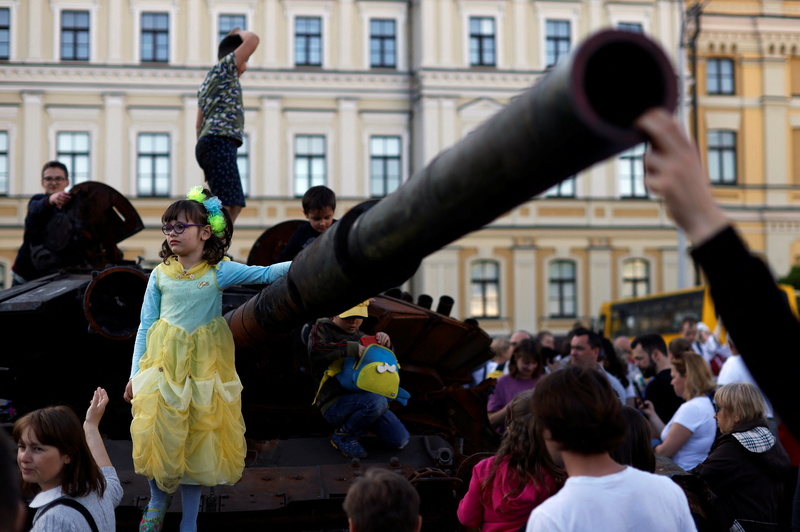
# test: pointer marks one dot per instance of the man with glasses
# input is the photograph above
(44, 244)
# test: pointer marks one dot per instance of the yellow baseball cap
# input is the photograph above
(359, 311)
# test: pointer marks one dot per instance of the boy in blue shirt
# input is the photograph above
(220, 119)
(319, 203)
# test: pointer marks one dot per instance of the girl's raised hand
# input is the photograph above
(97, 407)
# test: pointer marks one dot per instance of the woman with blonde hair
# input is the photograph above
(747, 466)
(688, 436)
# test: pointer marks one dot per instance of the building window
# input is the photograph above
(561, 297)
(481, 41)
(72, 149)
(633, 27)
(557, 41)
(722, 156)
(5, 33)
(565, 189)
(4, 162)
(384, 165)
(243, 162)
(155, 37)
(631, 173)
(309, 162)
(308, 41)
(152, 164)
(635, 278)
(382, 43)
(228, 22)
(484, 298)
(719, 76)
(74, 35)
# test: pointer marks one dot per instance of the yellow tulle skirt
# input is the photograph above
(187, 408)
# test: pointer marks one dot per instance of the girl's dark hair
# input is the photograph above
(526, 348)
(524, 449)
(60, 427)
(636, 449)
(196, 213)
(612, 362)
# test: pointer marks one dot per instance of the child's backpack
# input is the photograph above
(376, 371)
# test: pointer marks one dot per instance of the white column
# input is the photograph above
(440, 277)
(445, 30)
(35, 32)
(523, 284)
(449, 123)
(345, 182)
(521, 32)
(191, 174)
(345, 34)
(427, 133)
(268, 48)
(600, 281)
(427, 44)
(115, 152)
(34, 154)
(273, 180)
(114, 32)
(192, 31)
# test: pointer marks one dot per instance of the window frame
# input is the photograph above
(5, 161)
(557, 190)
(142, 32)
(154, 156)
(559, 283)
(75, 31)
(482, 283)
(634, 281)
(719, 77)
(7, 29)
(632, 160)
(222, 33)
(309, 158)
(69, 158)
(385, 160)
(481, 39)
(307, 47)
(556, 40)
(243, 163)
(381, 41)
(720, 153)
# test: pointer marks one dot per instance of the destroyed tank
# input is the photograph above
(78, 325)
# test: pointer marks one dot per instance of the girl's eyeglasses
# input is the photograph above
(179, 227)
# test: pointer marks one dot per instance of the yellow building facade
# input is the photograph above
(360, 95)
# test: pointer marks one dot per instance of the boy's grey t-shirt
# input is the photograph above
(220, 100)
(66, 519)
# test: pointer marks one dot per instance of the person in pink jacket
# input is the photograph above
(506, 487)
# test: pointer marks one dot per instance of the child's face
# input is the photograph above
(320, 219)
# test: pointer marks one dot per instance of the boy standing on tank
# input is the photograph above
(319, 204)
(220, 119)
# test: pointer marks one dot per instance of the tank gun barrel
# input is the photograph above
(578, 114)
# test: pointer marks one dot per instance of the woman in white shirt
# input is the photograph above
(688, 436)
(67, 468)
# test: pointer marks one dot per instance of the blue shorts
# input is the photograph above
(217, 157)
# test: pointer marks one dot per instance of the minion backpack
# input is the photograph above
(376, 371)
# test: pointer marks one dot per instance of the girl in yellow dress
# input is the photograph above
(187, 427)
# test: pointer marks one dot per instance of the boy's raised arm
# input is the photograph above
(249, 44)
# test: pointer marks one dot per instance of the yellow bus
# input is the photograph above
(662, 313)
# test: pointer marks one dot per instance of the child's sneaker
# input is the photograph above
(348, 445)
